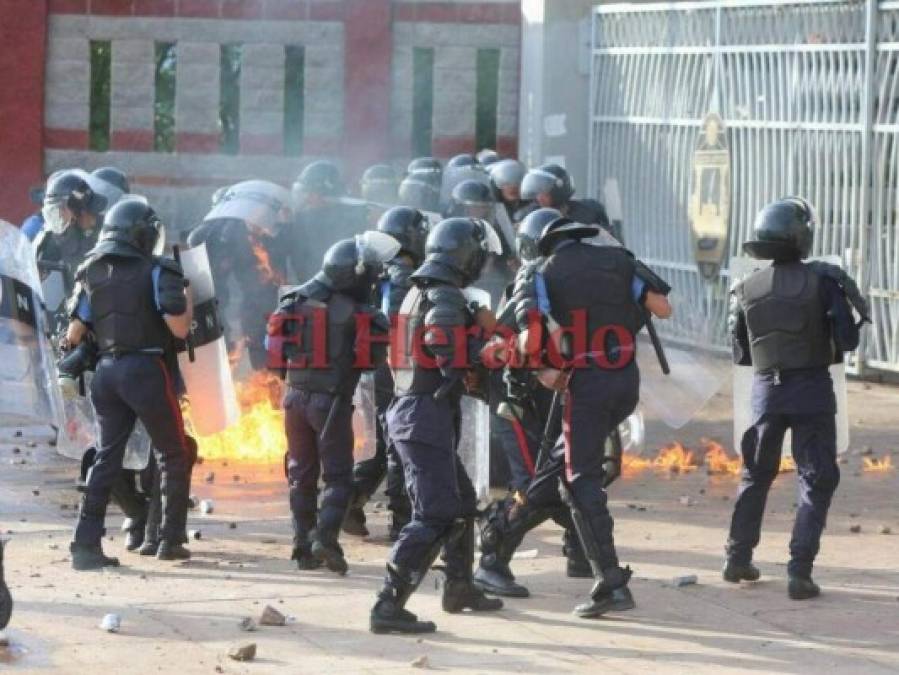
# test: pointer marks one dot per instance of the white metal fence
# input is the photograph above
(808, 91)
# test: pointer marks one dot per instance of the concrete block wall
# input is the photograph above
(338, 72)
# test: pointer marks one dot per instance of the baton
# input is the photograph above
(189, 340)
(332, 414)
(657, 344)
(547, 442)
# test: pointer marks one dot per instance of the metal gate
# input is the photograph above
(808, 95)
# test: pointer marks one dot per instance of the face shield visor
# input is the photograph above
(538, 182)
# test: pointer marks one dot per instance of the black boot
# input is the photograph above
(86, 557)
(354, 522)
(735, 572)
(389, 614)
(169, 550)
(603, 597)
(149, 547)
(326, 549)
(459, 591)
(5, 597)
(134, 534)
(503, 528)
(305, 560)
(802, 588)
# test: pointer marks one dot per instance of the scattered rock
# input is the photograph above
(53, 547)
(16, 451)
(268, 540)
(111, 623)
(235, 478)
(379, 505)
(195, 534)
(210, 477)
(18, 433)
(686, 501)
(247, 624)
(272, 617)
(421, 662)
(855, 529)
(685, 580)
(207, 506)
(200, 460)
(853, 515)
(232, 526)
(36, 492)
(219, 669)
(885, 529)
(245, 652)
(725, 498)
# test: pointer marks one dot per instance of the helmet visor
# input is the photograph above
(54, 215)
(376, 248)
(491, 242)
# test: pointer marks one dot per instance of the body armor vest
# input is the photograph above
(323, 354)
(786, 318)
(123, 305)
(591, 287)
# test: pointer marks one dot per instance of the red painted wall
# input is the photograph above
(23, 36)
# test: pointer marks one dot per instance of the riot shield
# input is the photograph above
(633, 434)
(740, 267)
(259, 203)
(365, 415)
(28, 391)
(677, 397)
(474, 439)
(207, 378)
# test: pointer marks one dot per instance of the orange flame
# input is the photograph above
(264, 265)
(676, 458)
(875, 465)
(718, 461)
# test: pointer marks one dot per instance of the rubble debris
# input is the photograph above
(192, 502)
(111, 623)
(232, 526)
(272, 617)
(686, 500)
(885, 529)
(235, 478)
(195, 534)
(855, 529)
(245, 652)
(207, 506)
(420, 662)
(210, 477)
(247, 624)
(685, 580)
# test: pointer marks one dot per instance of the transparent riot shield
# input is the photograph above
(474, 444)
(741, 267)
(29, 394)
(207, 378)
(677, 397)
(365, 415)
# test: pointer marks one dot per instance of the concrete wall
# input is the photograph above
(357, 85)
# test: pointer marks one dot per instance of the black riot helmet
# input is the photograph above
(473, 199)
(352, 266)
(417, 191)
(457, 249)
(507, 173)
(531, 229)
(487, 156)
(461, 161)
(783, 231)
(132, 226)
(113, 176)
(550, 179)
(321, 177)
(379, 184)
(561, 229)
(429, 167)
(69, 190)
(408, 227)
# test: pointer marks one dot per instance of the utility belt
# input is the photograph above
(115, 354)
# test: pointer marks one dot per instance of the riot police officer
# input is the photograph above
(428, 169)
(790, 321)
(487, 157)
(325, 313)
(71, 212)
(134, 304)
(323, 215)
(417, 191)
(424, 424)
(408, 227)
(599, 295)
(528, 406)
(379, 185)
(112, 182)
(550, 186)
(506, 176)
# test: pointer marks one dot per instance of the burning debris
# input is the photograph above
(676, 458)
(875, 465)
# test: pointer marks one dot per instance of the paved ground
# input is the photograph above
(183, 618)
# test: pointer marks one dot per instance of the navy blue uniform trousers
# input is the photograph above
(310, 455)
(425, 433)
(123, 390)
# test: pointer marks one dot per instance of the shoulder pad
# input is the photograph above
(446, 296)
(827, 270)
(379, 320)
(288, 295)
(449, 307)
